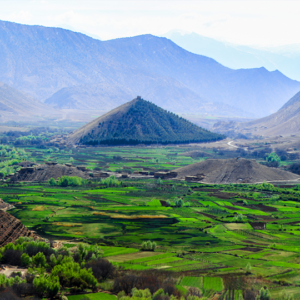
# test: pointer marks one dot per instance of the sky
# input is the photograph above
(261, 23)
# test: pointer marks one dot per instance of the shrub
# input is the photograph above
(101, 268)
(264, 294)
(70, 181)
(127, 282)
(148, 246)
(248, 268)
(52, 181)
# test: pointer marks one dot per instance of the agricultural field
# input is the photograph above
(95, 296)
(217, 233)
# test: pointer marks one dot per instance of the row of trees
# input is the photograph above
(65, 181)
(51, 271)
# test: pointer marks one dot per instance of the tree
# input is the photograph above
(39, 260)
(149, 246)
(40, 285)
(101, 268)
(45, 284)
(273, 157)
(248, 268)
(25, 260)
(52, 181)
(53, 286)
(264, 294)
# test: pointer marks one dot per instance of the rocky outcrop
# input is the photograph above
(11, 229)
(4, 206)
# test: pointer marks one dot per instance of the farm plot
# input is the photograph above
(96, 296)
(213, 283)
(192, 282)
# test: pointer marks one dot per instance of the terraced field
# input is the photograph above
(217, 232)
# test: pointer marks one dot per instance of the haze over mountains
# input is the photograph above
(14, 102)
(284, 122)
(60, 67)
(286, 59)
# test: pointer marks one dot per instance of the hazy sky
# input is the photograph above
(250, 22)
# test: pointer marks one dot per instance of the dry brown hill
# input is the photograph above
(236, 170)
(284, 122)
(47, 171)
(11, 229)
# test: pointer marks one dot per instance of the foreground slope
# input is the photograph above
(41, 61)
(236, 170)
(140, 121)
(11, 229)
(286, 121)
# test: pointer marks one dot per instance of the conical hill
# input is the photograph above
(140, 122)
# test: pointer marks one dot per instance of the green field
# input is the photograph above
(96, 296)
(213, 237)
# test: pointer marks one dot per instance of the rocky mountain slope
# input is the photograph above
(140, 122)
(41, 61)
(11, 229)
(284, 122)
(236, 170)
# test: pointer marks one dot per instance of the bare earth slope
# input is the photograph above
(286, 121)
(11, 229)
(234, 171)
(45, 172)
(4, 206)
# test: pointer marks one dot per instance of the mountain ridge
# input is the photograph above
(43, 60)
(286, 121)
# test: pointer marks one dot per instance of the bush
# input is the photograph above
(295, 168)
(101, 268)
(127, 282)
(52, 182)
(70, 181)
(110, 181)
(148, 246)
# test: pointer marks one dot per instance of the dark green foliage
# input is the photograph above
(264, 294)
(101, 268)
(65, 181)
(148, 246)
(146, 123)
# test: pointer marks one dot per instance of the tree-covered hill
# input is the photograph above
(140, 122)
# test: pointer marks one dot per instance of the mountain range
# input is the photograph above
(284, 122)
(71, 70)
(286, 59)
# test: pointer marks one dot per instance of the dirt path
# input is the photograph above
(10, 269)
(230, 144)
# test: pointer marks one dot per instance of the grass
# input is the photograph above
(192, 281)
(196, 238)
(213, 283)
(95, 296)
